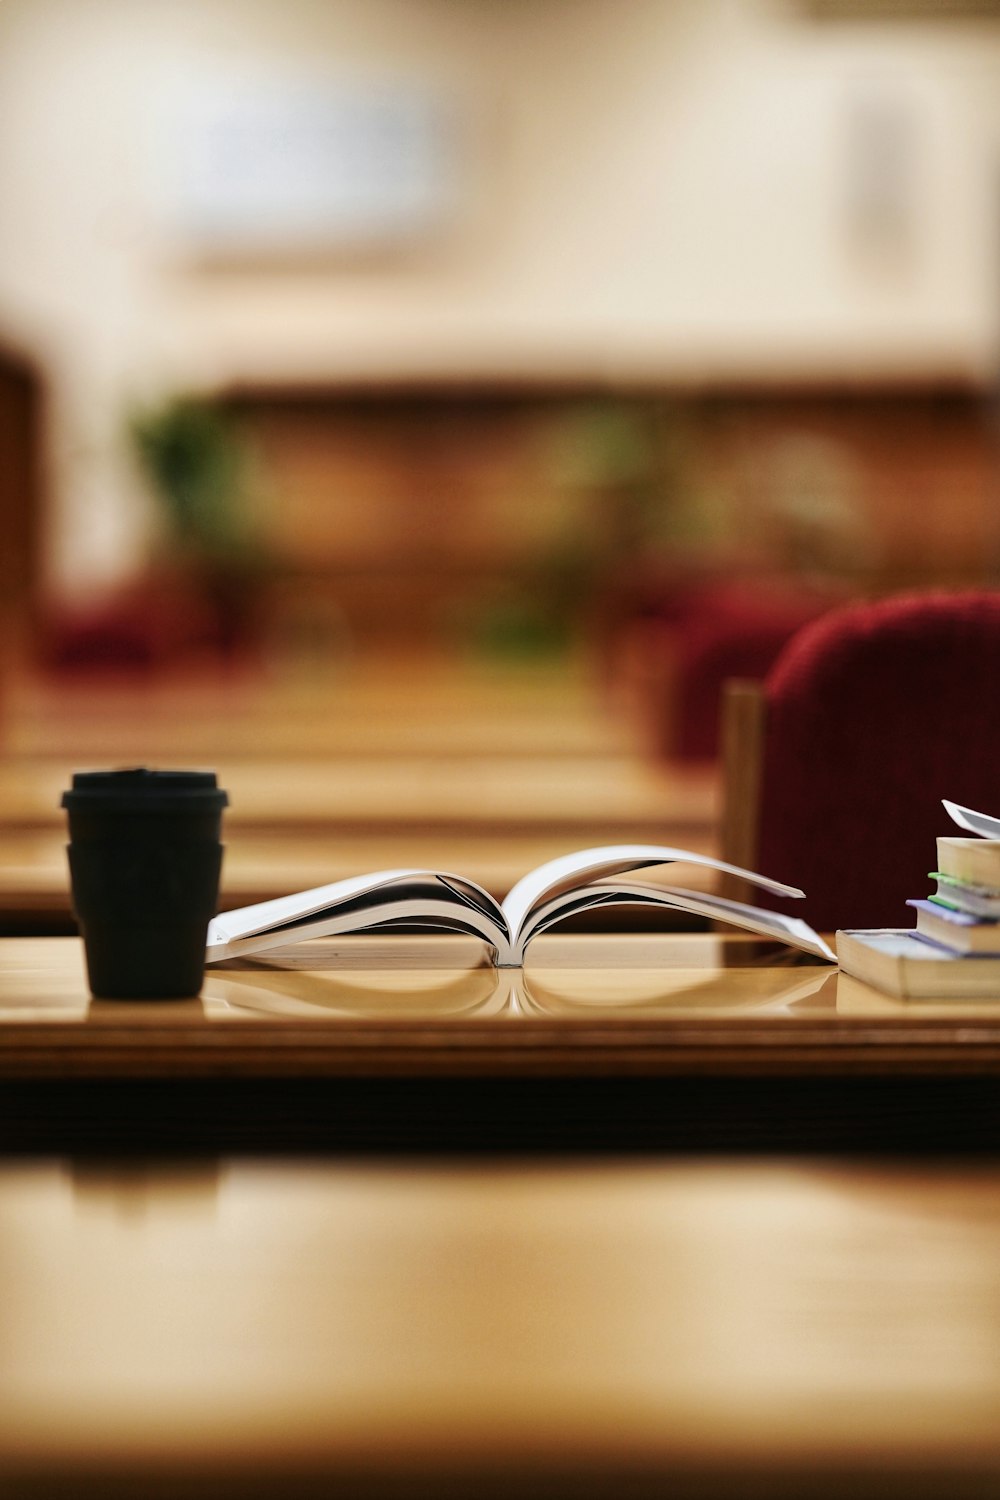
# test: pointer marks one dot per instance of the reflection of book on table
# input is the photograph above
(324, 987)
(578, 882)
(650, 994)
(333, 989)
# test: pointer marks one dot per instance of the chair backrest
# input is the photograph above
(737, 630)
(836, 770)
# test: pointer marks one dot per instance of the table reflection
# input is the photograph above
(317, 984)
(405, 978)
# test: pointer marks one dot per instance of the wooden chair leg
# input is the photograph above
(743, 722)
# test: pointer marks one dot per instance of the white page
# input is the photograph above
(439, 914)
(266, 915)
(587, 865)
(547, 913)
(973, 822)
(245, 920)
(617, 893)
(756, 919)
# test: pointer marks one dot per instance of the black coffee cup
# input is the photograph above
(145, 857)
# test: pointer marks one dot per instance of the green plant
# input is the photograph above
(197, 465)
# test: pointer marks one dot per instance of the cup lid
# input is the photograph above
(138, 789)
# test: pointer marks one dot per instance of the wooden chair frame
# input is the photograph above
(744, 718)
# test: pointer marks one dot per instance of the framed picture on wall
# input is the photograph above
(298, 167)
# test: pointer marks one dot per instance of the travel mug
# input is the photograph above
(144, 857)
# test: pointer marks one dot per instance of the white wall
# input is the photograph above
(672, 187)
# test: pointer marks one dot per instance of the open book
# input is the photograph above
(426, 898)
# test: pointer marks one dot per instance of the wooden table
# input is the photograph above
(449, 1329)
(388, 706)
(600, 799)
(679, 1040)
(425, 765)
(182, 1321)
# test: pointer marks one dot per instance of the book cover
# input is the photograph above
(960, 895)
(899, 962)
(957, 930)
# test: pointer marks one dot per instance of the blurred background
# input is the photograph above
(447, 395)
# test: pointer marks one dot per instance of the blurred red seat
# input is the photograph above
(835, 770)
(117, 636)
(702, 636)
(735, 631)
(162, 622)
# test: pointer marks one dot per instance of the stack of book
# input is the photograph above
(954, 950)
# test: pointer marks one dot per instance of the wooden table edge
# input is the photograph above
(501, 1048)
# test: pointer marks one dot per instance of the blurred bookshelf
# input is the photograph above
(436, 509)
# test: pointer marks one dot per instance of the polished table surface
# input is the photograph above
(400, 1004)
(415, 704)
(486, 1328)
(380, 1320)
(669, 1042)
(464, 1323)
(601, 798)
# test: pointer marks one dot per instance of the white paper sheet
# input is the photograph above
(972, 821)
(588, 865)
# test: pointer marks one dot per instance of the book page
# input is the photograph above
(772, 924)
(754, 919)
(285, 911)
(973, 822)
(546, 914)
(441, 913)
(585, 866)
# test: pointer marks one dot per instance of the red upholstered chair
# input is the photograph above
(734, 631)
(712, 631)
(835, 769)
